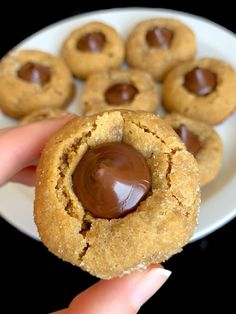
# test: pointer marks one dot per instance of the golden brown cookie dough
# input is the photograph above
(159, 227)
(157, 45)
(213, 78)
(43, 114)
(93, 47)
(202, 141)
(120, 89)
(32, 79)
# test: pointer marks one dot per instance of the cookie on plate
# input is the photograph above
(32, 79)
(116, 192)
(203, 89)
(157, 45)
(202, 141)
(93, 47)
(119, 89)
(43, 114)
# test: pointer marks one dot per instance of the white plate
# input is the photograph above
(218, 198)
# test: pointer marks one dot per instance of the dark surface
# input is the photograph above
(34, 281)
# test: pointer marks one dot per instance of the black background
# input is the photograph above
(35, 281)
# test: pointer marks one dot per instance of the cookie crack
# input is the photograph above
(168, 173)
(83, 252)
(86, 226)
(169, 169)
(64, 192)
(169, 156)
(147, 130)
(176, 198)
(63, 168)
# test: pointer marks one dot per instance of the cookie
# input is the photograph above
(157, 45)
(32, 79)
(116, 192)
(43, 114)
(202, 90)
(119, 89)
(202, 141)
(93, 47)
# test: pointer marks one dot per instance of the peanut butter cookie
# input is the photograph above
(202, 90)
(43, 114)
(116, 192)
(157, 45)
(202, 141)
(32, 79)
(93, 47)
(127, 89)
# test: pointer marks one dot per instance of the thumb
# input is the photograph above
(119, 295)
(22, 145)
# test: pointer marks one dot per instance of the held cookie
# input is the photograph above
(202, 141)
(124, 89)
(43, 114)
(30, 80)
(157, 45)
(203, 90)
(116, 192)
(93, 47)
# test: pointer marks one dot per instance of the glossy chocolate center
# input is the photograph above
(34, 73)
(111, 179)
(160, 37)
(200, 82)
(120, 93)
(190, 140)
(92, 42)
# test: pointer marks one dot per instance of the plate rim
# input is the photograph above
(111, 10)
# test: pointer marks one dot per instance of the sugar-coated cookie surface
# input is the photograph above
(161, 224)
(208, 149)
(33, 79)
(202, 89)
(157, 45)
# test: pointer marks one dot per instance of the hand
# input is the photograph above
(20, 148)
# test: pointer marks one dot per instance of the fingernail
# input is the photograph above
(148, 285)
